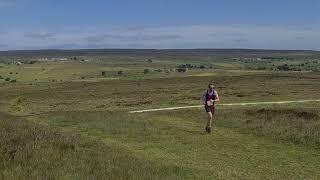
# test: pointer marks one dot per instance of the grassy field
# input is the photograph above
(80, 128)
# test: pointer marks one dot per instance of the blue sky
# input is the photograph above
(71, 24)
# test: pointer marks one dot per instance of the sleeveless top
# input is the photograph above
(210, 96)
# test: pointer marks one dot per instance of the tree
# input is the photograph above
(120, 73)
(146, 71)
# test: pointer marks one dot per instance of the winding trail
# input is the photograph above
(231, 104)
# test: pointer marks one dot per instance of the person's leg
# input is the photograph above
(213, 109)
(209, 123)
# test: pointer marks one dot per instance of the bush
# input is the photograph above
(284, 67)
(146, 71)
(1, 77)
(13, 81)
(120, 73)
(181, 69)
(31, 62)
(103, 73)
(7, 79)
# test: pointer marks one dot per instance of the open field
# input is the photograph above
(80, 128)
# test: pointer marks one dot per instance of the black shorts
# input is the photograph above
(211, 109)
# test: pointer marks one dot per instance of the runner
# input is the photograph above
(210, 96)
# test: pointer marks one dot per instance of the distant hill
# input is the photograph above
(159, 52)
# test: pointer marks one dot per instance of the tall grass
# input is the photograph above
(28, 150)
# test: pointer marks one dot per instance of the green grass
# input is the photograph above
(82, 129)
(177, 139)
(30, 150)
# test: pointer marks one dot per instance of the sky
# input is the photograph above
(159, 24)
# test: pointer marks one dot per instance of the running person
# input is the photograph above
(210, 96)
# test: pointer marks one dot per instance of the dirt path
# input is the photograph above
(231, 104)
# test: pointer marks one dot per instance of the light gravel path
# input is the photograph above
(231, 104)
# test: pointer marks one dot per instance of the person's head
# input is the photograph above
(211, 86)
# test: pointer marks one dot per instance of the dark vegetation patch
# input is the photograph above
(287, 112)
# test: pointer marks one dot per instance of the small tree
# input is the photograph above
(7, 79)
(146, 71)
(103, 73)
(120, 73)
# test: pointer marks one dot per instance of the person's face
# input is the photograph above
(211, 87)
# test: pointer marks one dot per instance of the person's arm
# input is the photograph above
(217, 97)
(204, 98)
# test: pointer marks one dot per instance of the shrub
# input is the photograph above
(13, 81)
(120, 73)
(103, 73)
(181, 69)
(146, 71)
(284, 67)
(7, 79)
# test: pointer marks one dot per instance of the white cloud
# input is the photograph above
(193, 36)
